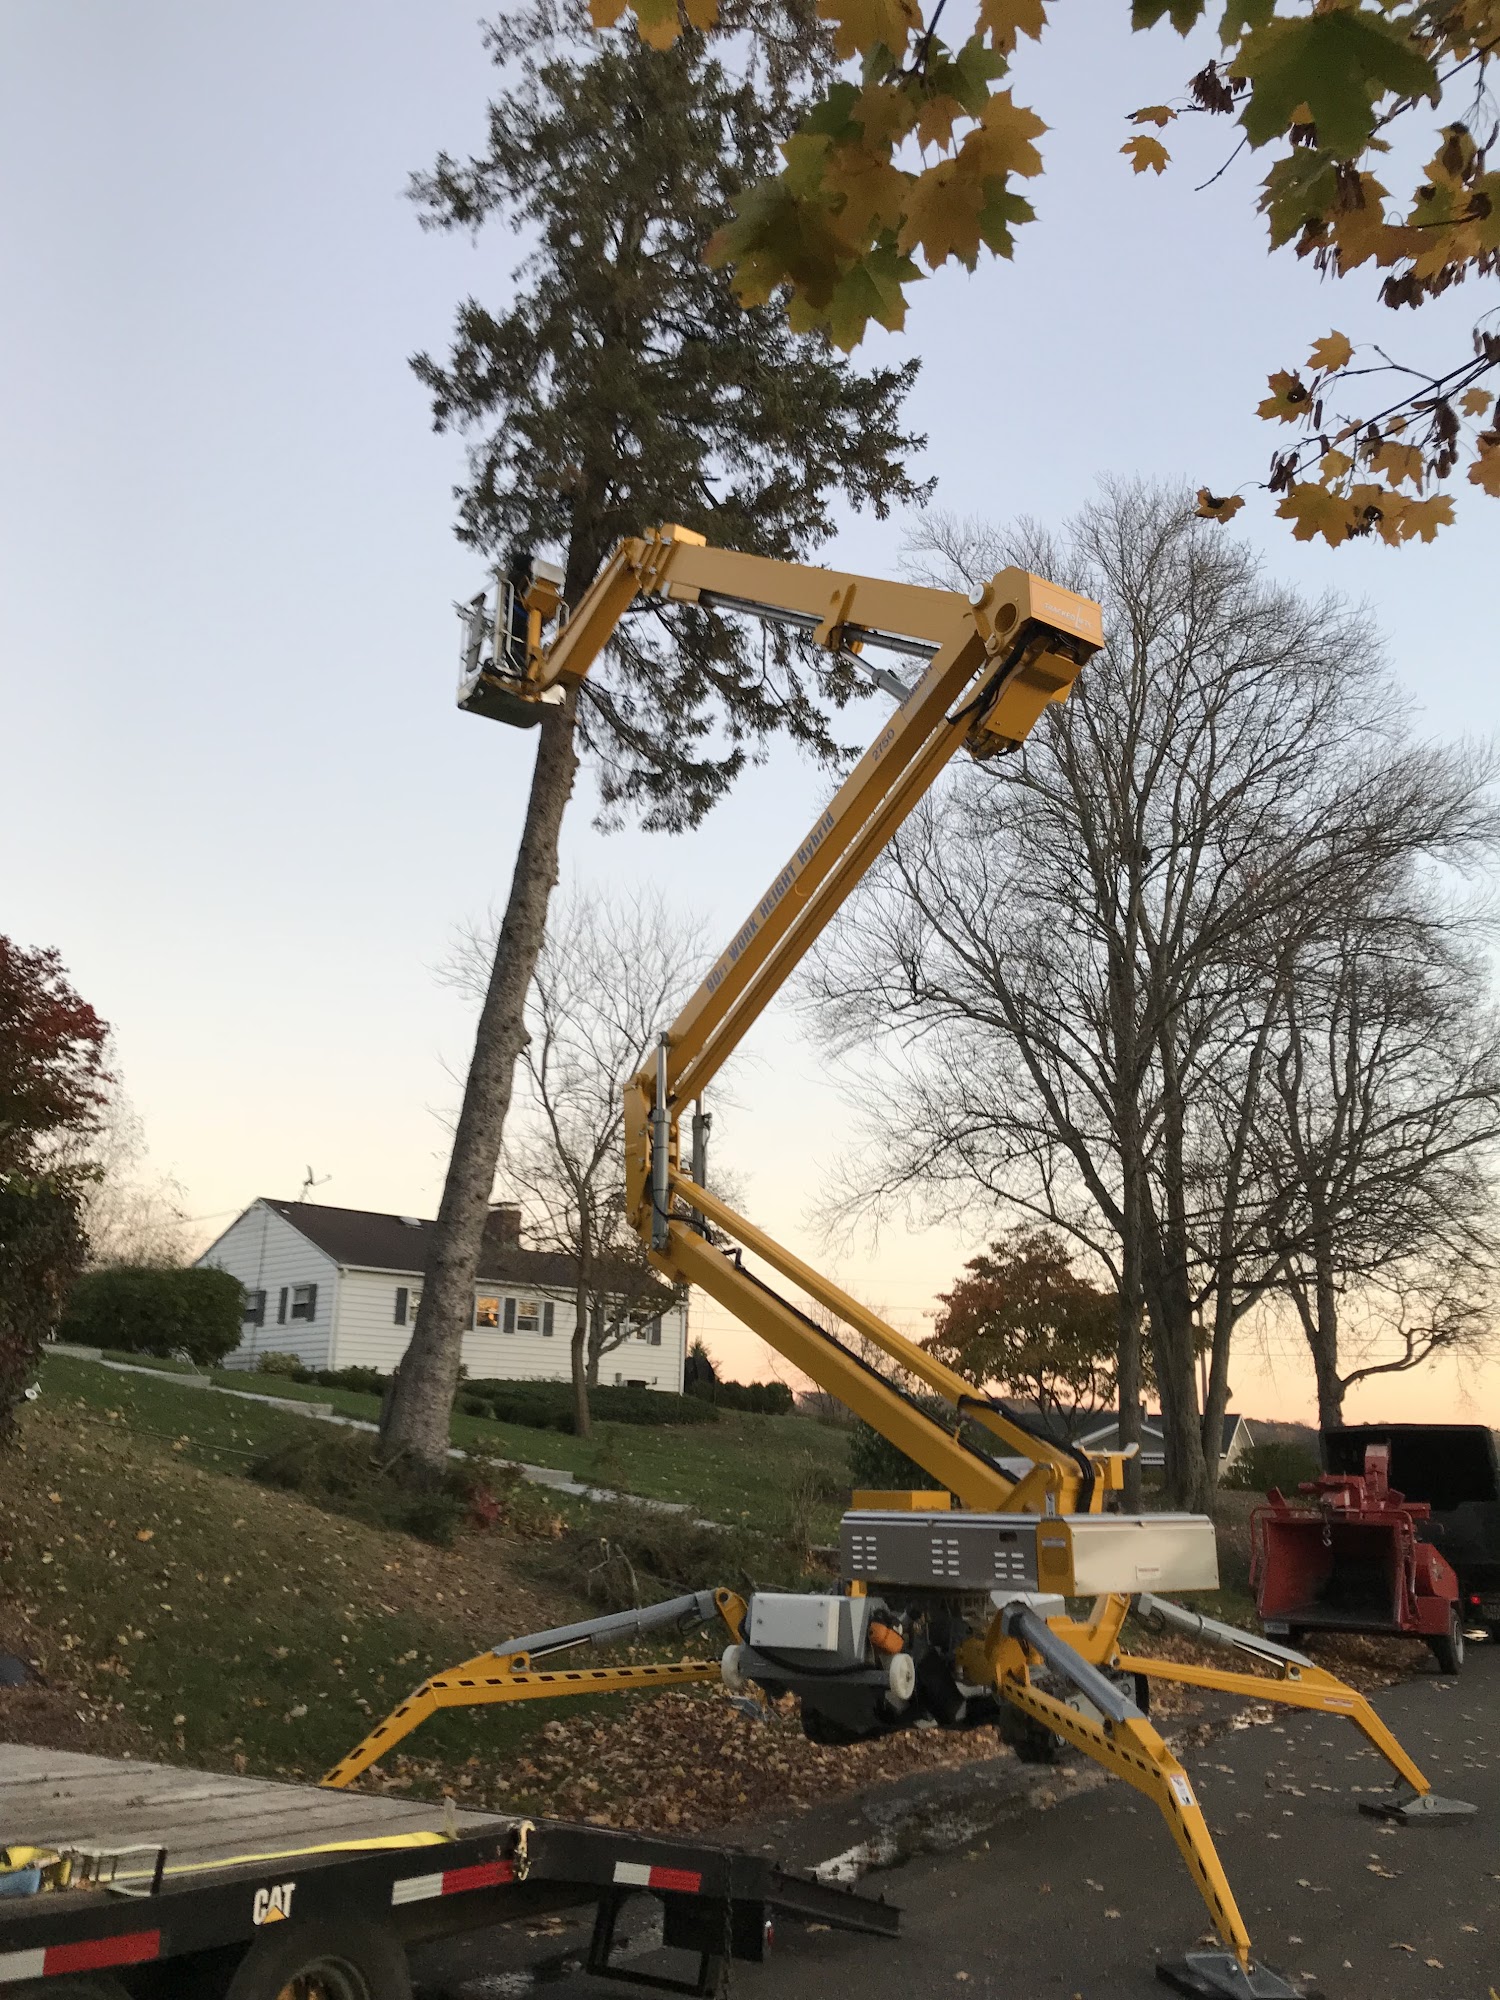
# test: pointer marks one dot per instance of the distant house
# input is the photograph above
(339, 1287)
(1102, 1433)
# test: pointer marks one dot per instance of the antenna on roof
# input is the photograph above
(310, 1183)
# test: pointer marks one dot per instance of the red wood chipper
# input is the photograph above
(1350, 1557)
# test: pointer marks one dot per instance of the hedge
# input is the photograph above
(762, 1399)
(548, 1406)
(163, 1312)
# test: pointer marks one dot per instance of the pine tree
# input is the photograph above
(621, 385)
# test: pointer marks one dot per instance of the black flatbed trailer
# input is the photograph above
(236, 1889)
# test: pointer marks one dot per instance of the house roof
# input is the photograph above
(1103, 1429)
(367, 1241)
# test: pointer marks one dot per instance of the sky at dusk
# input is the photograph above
(239, 799)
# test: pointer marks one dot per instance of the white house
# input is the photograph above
(339, 1287)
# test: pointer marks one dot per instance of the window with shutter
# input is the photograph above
(403, 1293)
(548, 1312)
(255, 1309)
(486, 1311)
(304, 1301)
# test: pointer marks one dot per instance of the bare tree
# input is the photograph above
(608, 979)
(1073, 966)
(1383, 1127)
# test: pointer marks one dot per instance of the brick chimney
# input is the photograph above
(505, 1223)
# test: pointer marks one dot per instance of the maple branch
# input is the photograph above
(1226, 166)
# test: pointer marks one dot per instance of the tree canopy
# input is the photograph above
(918, 148)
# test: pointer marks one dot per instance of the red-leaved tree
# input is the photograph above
(1023, 1321)
(53, 1085)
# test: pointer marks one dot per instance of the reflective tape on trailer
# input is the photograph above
(88, 1955)
(452, 1882)
(637, 1875)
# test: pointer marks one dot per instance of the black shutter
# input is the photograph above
(402, 1294)
(548, 1310)
(281, 1309)
(312, 1302)
(510, 1315)
(260, 1308)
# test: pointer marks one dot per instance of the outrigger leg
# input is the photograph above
(506, 1672)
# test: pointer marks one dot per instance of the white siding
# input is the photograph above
(266, 1254)
(367, 1336)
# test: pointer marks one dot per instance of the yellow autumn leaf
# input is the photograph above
(1423, 518)
(1001, 143)
(1213, 507)
(861, 25)
(604, 13)
(1005, 20)
(1333, 465)
(936, 119)
(873, 192)
(1472, 402)
(1485, 471)
(1153, 114)
(1332, 351)
(1396, 462)
(942, 215)
(1143, 151)
(657, 22)
(1314, 511)
(145, 1534)
(1287, 401)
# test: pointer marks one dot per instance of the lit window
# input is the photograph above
(486, 1311)
(528, 1316)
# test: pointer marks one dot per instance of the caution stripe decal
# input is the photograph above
(452, 1882)
(88, 1955)
(637, 1875)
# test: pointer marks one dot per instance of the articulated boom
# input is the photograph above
(954, 1606)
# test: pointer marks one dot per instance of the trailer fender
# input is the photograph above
(350, 1961)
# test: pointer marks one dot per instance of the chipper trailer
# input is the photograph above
(954, 1607)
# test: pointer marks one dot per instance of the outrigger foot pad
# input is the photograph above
(1413, 1807)
(1218, 1975)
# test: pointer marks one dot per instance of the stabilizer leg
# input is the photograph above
(1125, 1744)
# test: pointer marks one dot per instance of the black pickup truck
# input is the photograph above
(1455, 1468)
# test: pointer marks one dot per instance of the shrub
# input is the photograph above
(548, 1406)
(629, 1555)
(41, 1248)
(343, 1475)
(764, 1399)
(289, 1365)
(1262, 1466)
(143, 1310)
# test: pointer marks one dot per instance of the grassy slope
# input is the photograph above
(741, 1469)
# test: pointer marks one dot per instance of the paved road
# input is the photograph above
(1079, 1900)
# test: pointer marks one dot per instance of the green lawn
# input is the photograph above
(743, 1469)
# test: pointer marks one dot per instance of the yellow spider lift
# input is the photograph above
(954, 1607)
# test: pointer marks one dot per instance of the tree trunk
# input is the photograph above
(420, 1409)
(582, 1423)
(1187, 1483)
(1128, 1360)
(1322, 1330)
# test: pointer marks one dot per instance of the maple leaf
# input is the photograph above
(1183, 14)
(1143, 152)
(1338, 64)
(1005, 20)
(1001, 212)
(1485, 471)
(1397, 462)
(1001, 143)
(1333, 465)
(1334, 350)
(862, 25)
(605, 13)
(942, 215)
(1287, 402)
(1314, 511)
(1213, 508)
(1472, 402)
(873, 288)
(1153, 114)
(657, 22)
(873, 192)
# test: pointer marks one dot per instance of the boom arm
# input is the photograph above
(994, 660)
